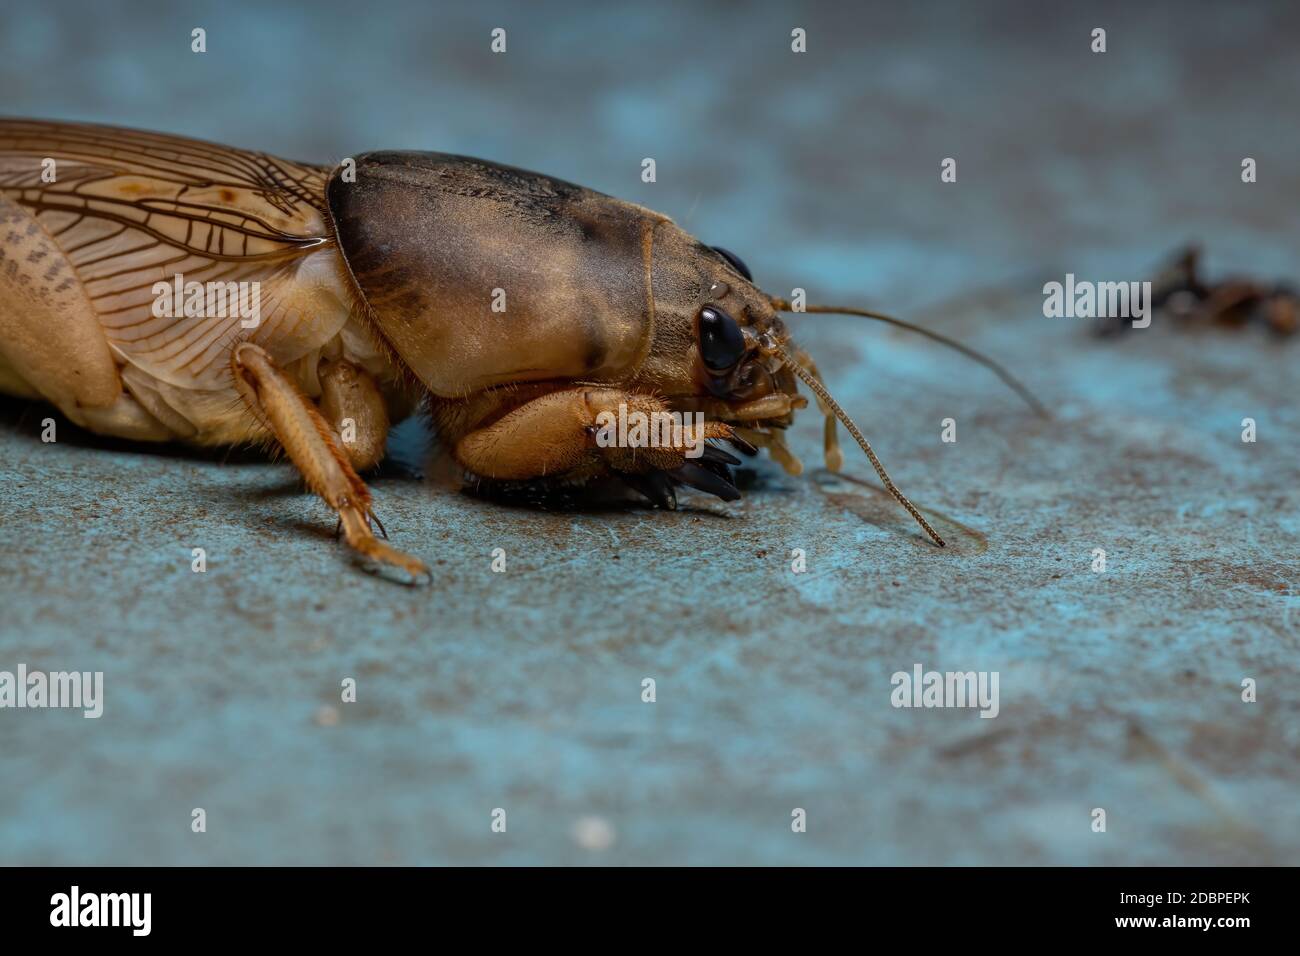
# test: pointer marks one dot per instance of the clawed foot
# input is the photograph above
(710, 473)
(356, 527)
(381, 553)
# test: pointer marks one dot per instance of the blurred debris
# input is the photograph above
(593, 833)
(1180, 292)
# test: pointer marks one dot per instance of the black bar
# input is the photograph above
(331, 906)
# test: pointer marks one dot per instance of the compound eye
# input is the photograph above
(721, 341)
(735, 261)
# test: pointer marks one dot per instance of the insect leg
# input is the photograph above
(556, 433)
(830, 440)
(545, 436)
(314, 448)
(351, 402)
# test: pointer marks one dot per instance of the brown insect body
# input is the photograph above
(593, 291)
(523, 306)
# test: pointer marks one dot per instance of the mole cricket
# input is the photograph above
(375, 284)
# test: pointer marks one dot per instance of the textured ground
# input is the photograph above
(522, 690)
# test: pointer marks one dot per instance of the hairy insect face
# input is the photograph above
(735, 364)
(713, 335)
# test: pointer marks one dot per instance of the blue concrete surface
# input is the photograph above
(522, 690)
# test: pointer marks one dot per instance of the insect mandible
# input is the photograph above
(158, 288)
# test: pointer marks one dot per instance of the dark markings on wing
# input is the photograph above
(130, 209)
(212, 200)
